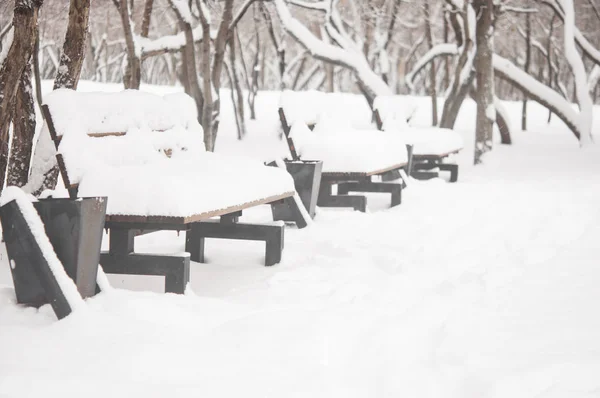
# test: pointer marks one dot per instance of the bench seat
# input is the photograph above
(365, 152)
(189, 189)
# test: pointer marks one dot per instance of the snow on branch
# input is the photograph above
(434, 52)
(586, 46)
(321, 5)
(539, 92)
(506, 70)
(183, 9)
(349, 57)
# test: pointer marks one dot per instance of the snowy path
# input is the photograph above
(484, 288)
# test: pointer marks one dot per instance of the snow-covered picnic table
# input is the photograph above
(146, 153)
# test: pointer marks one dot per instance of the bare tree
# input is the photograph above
(74, 45)
(133, 69)
(23, 131)
(25, 22)
(486, 113)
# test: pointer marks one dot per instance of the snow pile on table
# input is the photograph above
(345, 151)
(157, 164)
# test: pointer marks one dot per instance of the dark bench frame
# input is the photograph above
(121, 259)
(425, 167)
(351, 182)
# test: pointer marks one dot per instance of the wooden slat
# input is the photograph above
(194, 218)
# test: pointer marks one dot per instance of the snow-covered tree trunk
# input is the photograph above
(486, 112)
(73, 52)
(581, 84)
(23, 131)
(25, 22)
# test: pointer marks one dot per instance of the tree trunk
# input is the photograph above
(484, 72)
(432, 71)
(25, 21)
(71, 59)
(189, 72)
(549, 58)
(526, 67)
(133, 70)
(463, 75)
(23, 132)
(255, 74)
(237, 94)
(147, 17)
(446, 58)
(224, 35)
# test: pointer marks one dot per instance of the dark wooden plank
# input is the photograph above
(286, 131)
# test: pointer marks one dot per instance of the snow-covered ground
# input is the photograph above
(483, 288)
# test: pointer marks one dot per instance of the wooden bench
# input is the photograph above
(145, 153)
(350, 181)
(428, 162)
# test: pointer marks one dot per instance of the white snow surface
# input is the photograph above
(188, 185)
(485, 288)
(349, 150)
(32, 218)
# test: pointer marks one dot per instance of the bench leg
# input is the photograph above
(271, 234)
(377, 187)
(274, 247)
(392, 175)
(175, 269)
(326, 199)
(194, 244)
(452, 168)
(296, 213)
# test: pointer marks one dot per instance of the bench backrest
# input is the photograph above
(128, 128)
(396, 110)
(312, 107)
